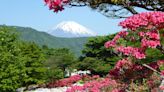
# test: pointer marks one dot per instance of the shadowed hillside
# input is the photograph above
(42, 38)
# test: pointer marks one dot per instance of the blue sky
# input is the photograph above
(33, 13)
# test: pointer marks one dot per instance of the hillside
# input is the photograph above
(42, 38)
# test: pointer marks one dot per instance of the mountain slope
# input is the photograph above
(42, 38)
(71, 29)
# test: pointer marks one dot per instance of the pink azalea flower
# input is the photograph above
(143, 20)
(56, 5)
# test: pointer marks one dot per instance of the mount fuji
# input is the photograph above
(71, 29)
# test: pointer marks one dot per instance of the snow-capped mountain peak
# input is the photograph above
(71, 29)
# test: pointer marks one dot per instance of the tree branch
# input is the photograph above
(131, 9)
(129, 5)
(147, 66)
(78, 5)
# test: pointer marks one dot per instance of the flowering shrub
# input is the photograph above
(131, 72)
(127, 73)
(105, 84)
(65, 82)
(147, 85)
(144, 28)
(146, 25)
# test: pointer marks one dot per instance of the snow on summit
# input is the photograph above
(71, 29)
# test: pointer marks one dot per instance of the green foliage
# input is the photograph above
(61, 59)
(97, 67)
(10, 67)
(95, 48)
(48, 51)
(33, 58)
(20, 63)
(101, 59)
(54, 73)
(152, 56)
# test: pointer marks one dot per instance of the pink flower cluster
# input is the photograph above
(162, 72)
(124, 63)
(141, 34)
(65, 82)
(161, 87)
(56, 5)
(122, 34)
(112, 43)
(153, 35)
(95, 76)
(145, 19)
(160, 62)
(150, 43)
(150, 39)
(93, 86)
(150, 35)
(109, 44)
(131, 51)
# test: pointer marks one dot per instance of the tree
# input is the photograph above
(109, 8)
(96, 57)
(10, 65)
(95, 48)
(62, 58)
(54, 73)
(33, 58)
(97, 67)
(21, 63)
